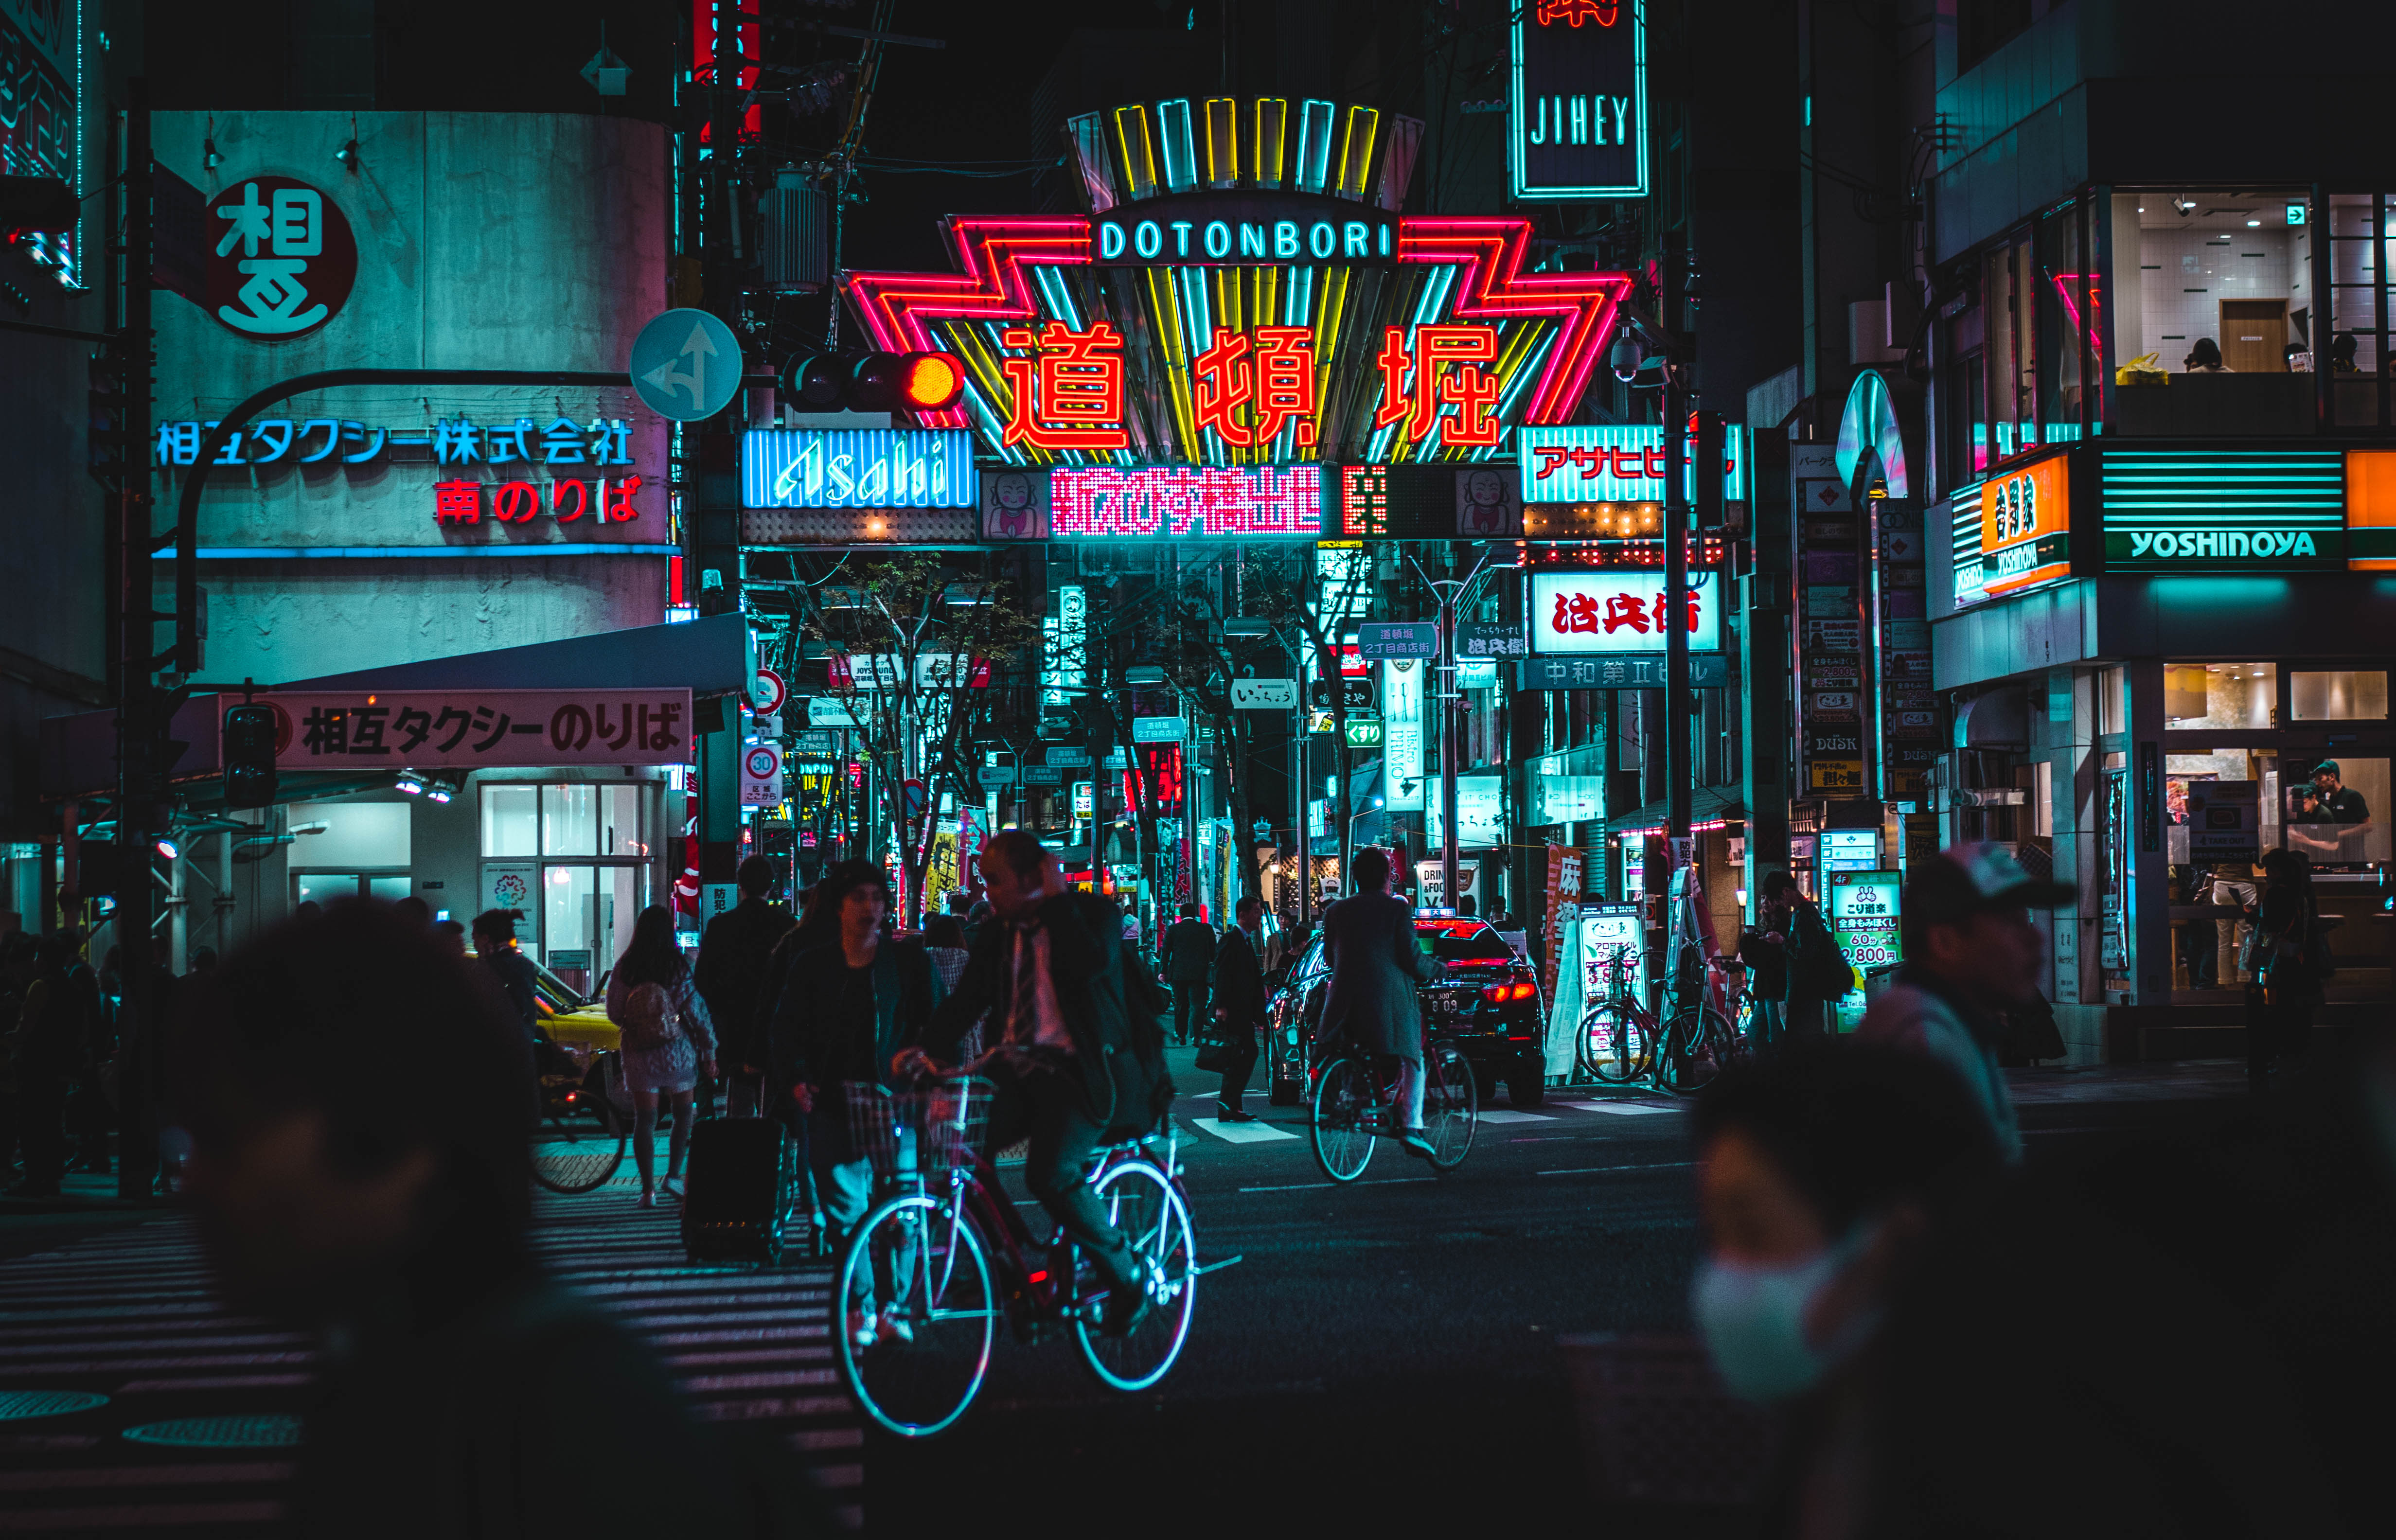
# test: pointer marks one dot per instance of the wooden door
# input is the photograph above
(2253, 335)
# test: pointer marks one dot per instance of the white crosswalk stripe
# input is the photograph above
(1620, 1108)
(131, 1315)
(1507, 1115)
(1258, 1131)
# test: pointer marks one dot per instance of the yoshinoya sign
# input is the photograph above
(857, 467)
(1576, 116)
(2238, 510)
(2025, 526)
(478, 729)
(1243, 229)
(282, 261)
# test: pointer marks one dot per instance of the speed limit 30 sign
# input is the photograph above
(761, 775)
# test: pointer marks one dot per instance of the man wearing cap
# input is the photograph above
(1970, 953)
(2331, 802)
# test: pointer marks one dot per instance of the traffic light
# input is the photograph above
(249, 733)
(876, 382)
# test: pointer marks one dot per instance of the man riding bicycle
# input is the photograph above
(1079, 1056)
(1368, 939)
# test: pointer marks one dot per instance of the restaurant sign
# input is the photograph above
(478, 729)
(1619, 610)
(2224, 510)
(1620, 464)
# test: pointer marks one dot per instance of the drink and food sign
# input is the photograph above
(1863, 912)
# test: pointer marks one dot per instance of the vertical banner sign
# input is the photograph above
(2150, 796)
(1909, 714)
(1564, 885)
(1402, 733)
(1577, 126)
(1863, 913)
(1066, 635)
(1831, 715)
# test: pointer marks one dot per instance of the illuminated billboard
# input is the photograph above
(857, 467)
(1615, 463)
(1198, 502)
(1620, 610)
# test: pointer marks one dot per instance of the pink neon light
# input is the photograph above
(2066, 285)
(1212, 500)
(1491, 250)
(990, 285)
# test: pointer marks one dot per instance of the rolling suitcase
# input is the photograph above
(737, 1194)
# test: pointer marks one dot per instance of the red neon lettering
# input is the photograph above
(1443, 370)
(1552, 456)
(515, 502)
(1071, 397)
(1625, 610)
(1574, 12)
(1224, 379)
(457, 502)
(617, 500)
(568, 499)
(1285, 382)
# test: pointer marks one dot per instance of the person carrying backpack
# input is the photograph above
(667, 1040)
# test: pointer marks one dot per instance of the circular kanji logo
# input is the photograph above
(281, 258)
(509, 890)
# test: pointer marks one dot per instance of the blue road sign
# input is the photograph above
(685, 366)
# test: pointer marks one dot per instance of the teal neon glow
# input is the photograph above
(1518, 118)
(1313, 145)
(1056, 294)
(1180, 154)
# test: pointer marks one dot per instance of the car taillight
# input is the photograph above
(1497, 994)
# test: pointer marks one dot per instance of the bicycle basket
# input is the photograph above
(931, 1131)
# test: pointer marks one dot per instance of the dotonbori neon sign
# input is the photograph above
(1177, 501)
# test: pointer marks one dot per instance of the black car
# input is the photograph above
(1482, 996)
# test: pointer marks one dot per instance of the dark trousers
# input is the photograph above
(1189, 1007)
(2279, 1026)
(1803, 1019)
(1047, 1104)
(1237, 1070)
(42, 1129)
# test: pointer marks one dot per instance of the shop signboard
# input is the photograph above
(1085, 799)
(1402, 731)
(1264, 694)
(761, 775)
(1614, 463)
(1201, 502)
(1850, 849)
(1562, 799)
(2222, 510)
(1252, 229)
(1863, 912)
(1618, 610)
(1385, 639)
(1576, 124)
(2025, 526)
(1490, 639)
(1707, 670)
(1834, 774)
(281, 261)
(1611, 936)
(1429, 503)
(857, 467)
(832, 712)
(2222, 824)
(1480, 814)
(478, 729)
(1364, 734)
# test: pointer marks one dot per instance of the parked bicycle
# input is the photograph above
(1356, 1101)
(578, 1139)
(944, 1257)
(1622, 1043)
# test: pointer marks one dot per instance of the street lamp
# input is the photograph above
(1143, 673)
(1248, 626)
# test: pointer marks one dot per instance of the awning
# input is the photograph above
(1713, 806)
(713, 656)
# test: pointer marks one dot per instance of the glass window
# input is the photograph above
(507, 825)
(620, 821)
(2112, 703)
(2220, 694)
(2358, 307)
(2343, 694)
(322, 887)
(569, 820)
(391, 890)
(2070, 343)
(2339, 820)
(567, 933)
(2204, 273)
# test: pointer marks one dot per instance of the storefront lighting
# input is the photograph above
(440, 790)
(1144, 673)
(410, 783)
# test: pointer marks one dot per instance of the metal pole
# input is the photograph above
(1677, 776)
(1447, 705)
(140, 728)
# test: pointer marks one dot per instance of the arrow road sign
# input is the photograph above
(685, 366)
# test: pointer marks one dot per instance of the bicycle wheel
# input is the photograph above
(914, 1286)
(579, 1150)
(1695, 1051)
(1345, 1109)
(1616, 1042)
(1451, 1106)
(1150, 1210)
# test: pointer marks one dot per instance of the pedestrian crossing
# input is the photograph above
(1266, 1130)
(198, 1432)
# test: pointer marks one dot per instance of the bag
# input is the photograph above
(2145, 369)
(2319, 962)
(1219, 1050)
(737, 1192)
(1829, 975)
(647, 1021)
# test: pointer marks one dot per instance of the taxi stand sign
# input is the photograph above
(1863, 912)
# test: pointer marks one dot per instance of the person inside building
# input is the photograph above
(2331, 819)
(1189, 958)
(463, 1391)
(733, 954)
(2205, 357)
(1971, 955)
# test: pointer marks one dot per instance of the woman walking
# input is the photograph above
(2280, 1000)
(667, 1040)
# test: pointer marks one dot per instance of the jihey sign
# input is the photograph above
(284, 260)
(857, 467)
(479, 729)
(1612, 464)
(1618, 611)
(1577, 124)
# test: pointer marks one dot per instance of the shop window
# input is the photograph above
(2184, 772)
(620, 821)
(2340, 695)
(2112, 700)
(569, 820)
(2199, 695)
(508, 820)
(2358, 307)
(2071, 353)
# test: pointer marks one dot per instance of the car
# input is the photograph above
(1482, 996)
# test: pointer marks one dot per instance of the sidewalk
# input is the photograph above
(82, 1194)
(2177, 1079)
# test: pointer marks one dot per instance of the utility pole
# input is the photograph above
(140, 714)
(1679, 361)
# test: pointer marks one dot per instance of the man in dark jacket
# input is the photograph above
(845, 1009)
(1189, 958)
(1079, 1059)
(1370, 1007)
(731, 975)
(1239, 1005)
(1808, 952)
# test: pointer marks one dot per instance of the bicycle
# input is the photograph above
(578, 1135)
(944, 1257)
(1622, 1043)
(1353, 1104)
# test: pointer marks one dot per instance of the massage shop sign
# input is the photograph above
(465, 730)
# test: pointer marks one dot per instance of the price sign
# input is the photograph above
(1863, 912)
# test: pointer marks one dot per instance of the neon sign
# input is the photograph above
(1277, 385)
(857, 467)
(1205, 502)
(1073, 396)
(1612, 464)
(1618, 612)
(1261, 229)
(1578, 127)
(1441, 369)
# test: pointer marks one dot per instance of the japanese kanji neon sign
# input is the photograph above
(1175, 501)
(1071, 396)
(479, 729)
(1613, 463)
(1618, 611)
(1246, 387)
(1438, 380)
(282, 260)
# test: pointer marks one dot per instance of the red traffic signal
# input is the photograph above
(877, 382)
